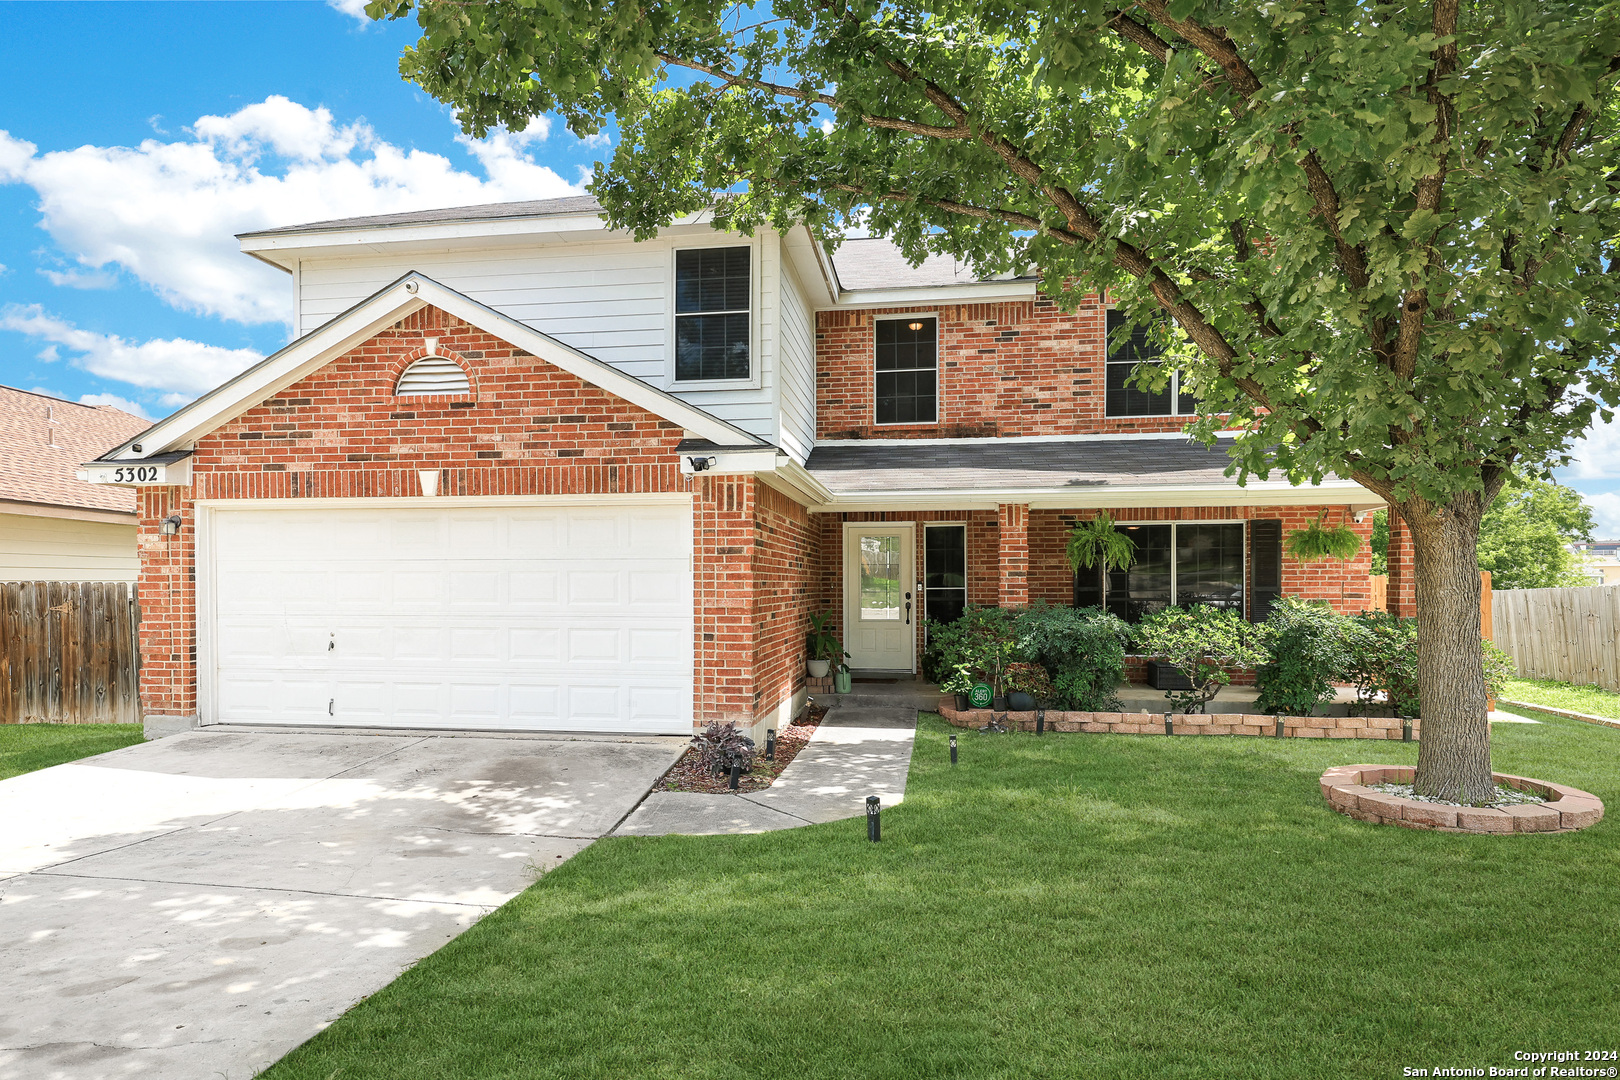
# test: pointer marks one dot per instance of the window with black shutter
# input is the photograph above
(1265, 567)
(1177, 564)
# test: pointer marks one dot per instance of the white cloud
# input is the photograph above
(355, 9)
(76, 279)
(1597, 455)
(174, 364)
(121, 403)
(167, 211)
(1606, 512)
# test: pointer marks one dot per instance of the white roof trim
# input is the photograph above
(1265, 493)
(376, 313)
(977, 292)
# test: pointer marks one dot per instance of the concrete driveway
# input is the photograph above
(196, 907)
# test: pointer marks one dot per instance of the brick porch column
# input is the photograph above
(1402, 598)
(1012, 521)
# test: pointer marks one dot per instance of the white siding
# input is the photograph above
(610, 298)
(60, 549)
(798, 363)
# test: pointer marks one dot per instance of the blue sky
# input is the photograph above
(137, 138)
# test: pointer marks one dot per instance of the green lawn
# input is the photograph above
(26, 747)
(1058, 906)
(1591, 700)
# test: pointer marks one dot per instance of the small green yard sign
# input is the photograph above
(980, 696)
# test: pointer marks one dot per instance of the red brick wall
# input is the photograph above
(528, 429)
(1017, 368)
(785, 583)
(1343, 584)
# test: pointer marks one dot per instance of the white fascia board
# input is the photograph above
(1011, 440)
(365, 320)
(283, 248)
(721, 462)
(977, 293)
(815, 270)
(67, 513)
(1108, 497)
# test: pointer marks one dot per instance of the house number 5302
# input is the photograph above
(140, 474)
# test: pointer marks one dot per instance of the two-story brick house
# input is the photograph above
(518, 471)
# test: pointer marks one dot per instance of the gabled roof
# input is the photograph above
(42, 442)
(874, 263)
(574, 204)
(376, 313)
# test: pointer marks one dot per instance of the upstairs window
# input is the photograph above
(907, 371)
(711, 314)
(433, 375)
(1125, 354)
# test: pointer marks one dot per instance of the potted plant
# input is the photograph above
(823, 645)
(843, 681)
(959, 683)
(1321, 541)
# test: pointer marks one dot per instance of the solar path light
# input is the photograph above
(874, 819)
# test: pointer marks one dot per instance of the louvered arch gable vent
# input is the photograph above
(433, 375)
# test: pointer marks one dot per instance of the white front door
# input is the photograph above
(880, 610)
(575, 616)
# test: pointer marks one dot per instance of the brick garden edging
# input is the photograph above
(1347, 790)
(1294, 727)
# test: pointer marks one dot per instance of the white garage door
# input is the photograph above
(574, 617)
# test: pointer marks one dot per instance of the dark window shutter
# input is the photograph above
(1265, 567)
(1088, 587)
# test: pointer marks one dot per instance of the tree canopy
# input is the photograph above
(1386, 231)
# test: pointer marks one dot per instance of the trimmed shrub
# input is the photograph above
(1030, 679)
(1202, 641)
(1309, 647)
(980, 640)
(1082, 648)
(1383, 661)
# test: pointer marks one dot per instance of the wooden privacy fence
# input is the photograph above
(68, 653)
(1572, 635)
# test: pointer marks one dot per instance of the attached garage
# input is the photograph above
(520, 614)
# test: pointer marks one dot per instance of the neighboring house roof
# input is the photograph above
(382, 309)
(1080, 471)
(43, 440)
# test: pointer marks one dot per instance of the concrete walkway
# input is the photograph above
(198, 906)
(855, 752)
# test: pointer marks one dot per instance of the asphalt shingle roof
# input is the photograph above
(854, 467)
(43, 441)
(573, 204)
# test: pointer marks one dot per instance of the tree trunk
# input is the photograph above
(1454, 755)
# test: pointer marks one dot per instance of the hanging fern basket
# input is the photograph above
(1320, 541)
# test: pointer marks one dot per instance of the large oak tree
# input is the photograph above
(1384, 234)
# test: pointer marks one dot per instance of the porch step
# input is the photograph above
(904, 694)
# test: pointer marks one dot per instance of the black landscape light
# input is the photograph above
(1169, 725)
(1406, 729)
(953, 750)
(736, 774)
(1279, 726)
(770, 744)
(874, 819)
(1040, 721)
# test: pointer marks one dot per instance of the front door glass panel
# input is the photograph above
(880, 578)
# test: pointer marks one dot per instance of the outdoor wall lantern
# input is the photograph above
(170, 526)
(874, 819)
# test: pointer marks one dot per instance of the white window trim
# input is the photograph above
(922, 577)
(1174, 598)
(939, 369)
(756, 364)
(1175, 387)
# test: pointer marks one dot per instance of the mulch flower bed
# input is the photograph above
(688, 774)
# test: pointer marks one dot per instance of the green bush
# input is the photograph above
(1309, 646)
(1383, 660)
(1030, 679)
(1082, 648)
(1499, 669)
(982, 640)
(1202, 641)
